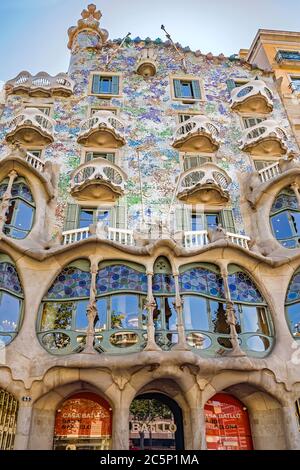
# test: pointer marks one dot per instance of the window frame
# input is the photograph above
(104, 150)
(39, 104)
(184, 156)
(92, 109)
(105, 74)
(187, 100)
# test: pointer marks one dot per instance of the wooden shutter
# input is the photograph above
(96, 84)
(71, 217)
(187, 218)
(115, 85)
(196, 89)
(183, 219)
(228, 220)
(120, 214)
(230, 85)
(177, 88)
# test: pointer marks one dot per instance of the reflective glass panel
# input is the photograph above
(124, 311)
(195, 313)
(10, 308)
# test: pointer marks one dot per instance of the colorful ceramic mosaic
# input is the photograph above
(286, 199)
(70, 283)
(9, 279)
(294, 289)
(119, 277)
(242, 289)
(202, 281)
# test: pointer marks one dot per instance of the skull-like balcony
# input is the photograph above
(266, 138)
(197, 134)
(103, 129)
(31, 127)
(207, 184)
(98, 179)
(253, 97)
(40, 85)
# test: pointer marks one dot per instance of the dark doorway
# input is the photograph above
(155, 423)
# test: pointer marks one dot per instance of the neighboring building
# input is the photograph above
(279, 51)
(150, 249)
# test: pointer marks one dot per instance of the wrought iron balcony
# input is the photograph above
(103, 129)
(207, 184)
(40, 85)
(98, 179)
(31, 127)
(197, 134)
(254, 96)
(266, 138)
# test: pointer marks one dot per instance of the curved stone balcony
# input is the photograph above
(102, 129)
(197, 134)
(254, 96)
(266, 138)
(98, 179)
(40, 85)
(31, 127)
(207, 184)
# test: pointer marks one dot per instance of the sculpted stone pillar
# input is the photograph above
(150, 306)
(6, 198)
(197, 417)
(291, 426)
(120, 438)
(181, 345)
(23, 426)
(295, 188)
(92, 312)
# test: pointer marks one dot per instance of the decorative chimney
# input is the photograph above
(87, 34)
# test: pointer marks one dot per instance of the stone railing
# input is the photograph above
(205, 177)
(268, 129)
(199, 127)
(102, 121)
(32, 118)
(269, 172)
(122, 236)
(199, 238)
(42, 83)
(35, 162)
(253, 91)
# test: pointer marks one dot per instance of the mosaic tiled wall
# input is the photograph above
(149, 114)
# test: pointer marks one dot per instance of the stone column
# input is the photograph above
(181, 345)
(291, 426)
(23, 426)
(295, 188)
(150, 306)
(120, 426)
(231, 319)
(6, 198)
(197, 417)
(92, 312)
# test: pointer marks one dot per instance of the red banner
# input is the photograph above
(227, 424)
(84, 415)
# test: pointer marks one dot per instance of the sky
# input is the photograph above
(33, 33)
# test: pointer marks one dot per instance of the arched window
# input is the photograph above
(121, 295)
(285, 219)
(205, 318)
(11, 301)
(20, 213)
(164, 315)
(292, 304)
(63, 320)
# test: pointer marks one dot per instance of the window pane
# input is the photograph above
(124, 311)
(186, 90)
(81, 322)
(294, 318)
(295, 219)
(23, 216)
(101, 323)
(157, 313)
(104, 217)
(170, 313)
(57, 315)
(9, 312)
(212, 221)
(197, 222)
(195, 313)
(281, 226)
(85, 218)
(218, 316)
(105, 85)
(254, 320)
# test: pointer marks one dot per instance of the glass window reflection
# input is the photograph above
(195, 313)
(125, 311)
(9, 312)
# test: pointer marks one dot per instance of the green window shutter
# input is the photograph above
(121, 214)
(177, 88)
(230, 85)
(228, 220)
(115, 85)
(179, 218)
(96, 84)
(88, 156)
(71, 218)
(111, 157)
(187, 218)
(196, 89)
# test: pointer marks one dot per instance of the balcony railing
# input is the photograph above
(31, 126)
(269, 172)
(197, 133)
(199, 238)
(35, 162)
(102, 129)
(266, 136)
(41, 84)
(122, 236)
(206, 181)
(100, 177)
(254, 96)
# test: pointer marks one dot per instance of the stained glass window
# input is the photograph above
(293, 305)
(202, 281)
(70, 283)
(163, 284)
(285, 219)
(9, 279)
(242, 289)
(120, 277)
(11, 295)
(294, 289)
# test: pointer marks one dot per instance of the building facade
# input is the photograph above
(150, 227)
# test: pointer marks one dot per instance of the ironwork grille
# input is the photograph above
(8, 420)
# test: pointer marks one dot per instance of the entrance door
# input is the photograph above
(83, 422)
(155, 423)
(227, 424)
